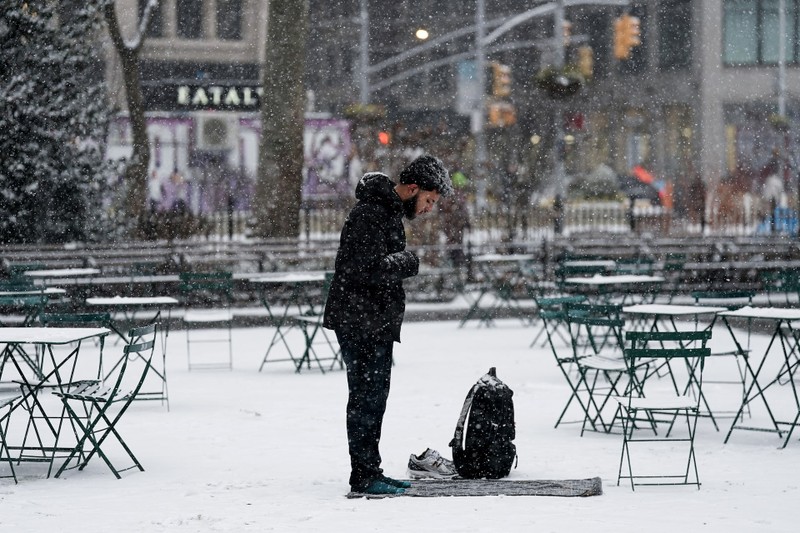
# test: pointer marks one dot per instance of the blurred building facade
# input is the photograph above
(200, 68)
(698, 99)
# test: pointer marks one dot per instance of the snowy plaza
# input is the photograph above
(244, 450)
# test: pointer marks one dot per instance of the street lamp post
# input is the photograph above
(558, 126)
(479, 113)
(364, 54)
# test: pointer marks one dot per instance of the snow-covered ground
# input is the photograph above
(247, 451)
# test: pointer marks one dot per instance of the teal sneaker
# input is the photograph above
(376, 486)
(395, 482)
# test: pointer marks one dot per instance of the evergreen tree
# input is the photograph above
(53, 116)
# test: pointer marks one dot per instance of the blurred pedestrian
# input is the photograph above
(155, 192)
(456, 218)
(176, 193)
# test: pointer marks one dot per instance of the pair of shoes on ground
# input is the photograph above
(384, 485)
(430, 464)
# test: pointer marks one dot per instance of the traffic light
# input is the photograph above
(567, 32)
(384, 137)
(502, 114)
(501, 80)
(586, 61)
(627, 34)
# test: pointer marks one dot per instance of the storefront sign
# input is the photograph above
(185, 97)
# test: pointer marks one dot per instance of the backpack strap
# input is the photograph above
(458, 437)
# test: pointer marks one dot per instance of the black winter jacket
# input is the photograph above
(366, 294)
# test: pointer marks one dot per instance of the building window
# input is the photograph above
(229, 20)
(189, 15)
(155, 28)
(441, 78)
(751, 31)
(675, 34)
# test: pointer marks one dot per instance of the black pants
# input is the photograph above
(369, 370)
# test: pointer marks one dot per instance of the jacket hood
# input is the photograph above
(377, 187)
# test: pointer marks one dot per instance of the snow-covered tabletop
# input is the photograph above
(132, 301)
(604, 263)
(500, 258)
(49, 335)
(48, 291)
(622, 279)
(671, 310)
(289, 277)
(62, 273)
(774, 313)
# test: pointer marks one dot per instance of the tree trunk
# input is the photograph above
(136, 169)
(280, 164)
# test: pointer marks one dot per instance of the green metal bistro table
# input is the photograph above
(131, 306)
(299, 296)
(762, 385)
(662, 317)
(626, 288)
(158, 309)
(42, 440)
(666, 314)
(502, 275)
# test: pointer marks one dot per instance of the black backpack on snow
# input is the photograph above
(485, 450)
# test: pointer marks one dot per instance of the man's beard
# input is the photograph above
(410, 208)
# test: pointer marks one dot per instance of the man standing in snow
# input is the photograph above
(366, 303)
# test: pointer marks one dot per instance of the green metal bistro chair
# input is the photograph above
(18, 284)
(790, 285)
(103, 406)
(566, 270)
(601, 338)
(21, 310)
(564, 356)
(597, 343)
(557, 327)
(649, 410)
(208, 289)
(634, 265)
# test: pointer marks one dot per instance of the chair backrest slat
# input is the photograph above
(663, 336)
(83, 319)
(139, 347)
(667, 353)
